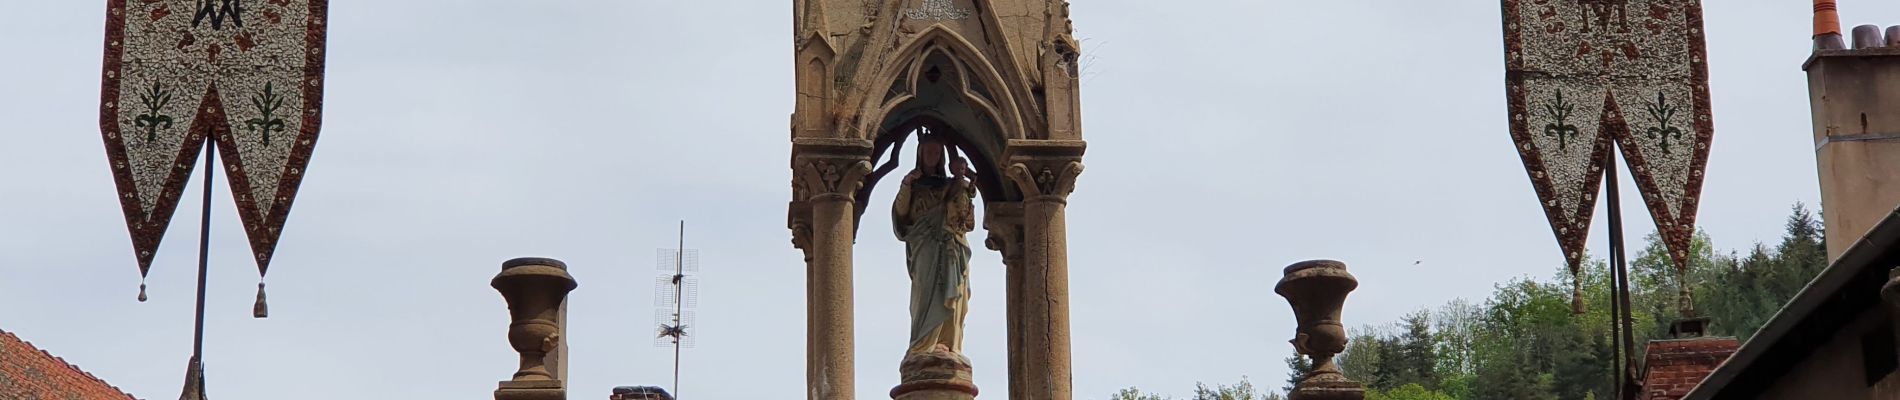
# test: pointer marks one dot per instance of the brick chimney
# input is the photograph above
(1672, 367)
(640, 393)
(1851, 92)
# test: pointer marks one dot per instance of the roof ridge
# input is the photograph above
(68, 365)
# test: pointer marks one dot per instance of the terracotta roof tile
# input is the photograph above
(26, 372)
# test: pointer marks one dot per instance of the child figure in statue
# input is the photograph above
(932, 214)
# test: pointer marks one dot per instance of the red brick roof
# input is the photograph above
(1672, 367)
(26, 372)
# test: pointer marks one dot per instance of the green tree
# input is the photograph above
(1239, 391)
(1360, 361)
(1408, 392)
(1457, 323)
(1524, 343)
(1417, 361)
(1132, 393)
(1297, 367)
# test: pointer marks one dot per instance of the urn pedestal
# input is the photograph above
(535, 289)
(937, 375)
(1317, 291)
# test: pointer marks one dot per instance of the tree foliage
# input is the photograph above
(1524, 343)
(1239, 391)
(1297, 366)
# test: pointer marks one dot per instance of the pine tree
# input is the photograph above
(1297, 367)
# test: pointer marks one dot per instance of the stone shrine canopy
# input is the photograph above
(997, 81)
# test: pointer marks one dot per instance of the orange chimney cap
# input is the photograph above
(1827, 18)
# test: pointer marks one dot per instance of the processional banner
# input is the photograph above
(246, 75)
(1584, 73)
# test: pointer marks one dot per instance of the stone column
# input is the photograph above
(827, 175)
(1004, 221)
(536, 292)
(1045, 172)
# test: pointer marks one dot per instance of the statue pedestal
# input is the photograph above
(1327, 385)
(531, 390)
(935, 376)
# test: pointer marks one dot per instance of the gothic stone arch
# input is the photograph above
(1000, 76)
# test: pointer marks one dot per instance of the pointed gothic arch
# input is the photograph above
(983, 80)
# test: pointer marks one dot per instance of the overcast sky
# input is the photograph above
(1227, 139)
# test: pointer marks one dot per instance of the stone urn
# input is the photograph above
(1317, 291)
(534, 289)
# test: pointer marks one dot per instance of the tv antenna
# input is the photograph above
(675, 295)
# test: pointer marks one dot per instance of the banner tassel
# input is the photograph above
(1576, 292)
(141, 290)
(260, 310)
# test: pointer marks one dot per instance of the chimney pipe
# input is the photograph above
(1827, 26)
(1893, 36)
(1868, 37)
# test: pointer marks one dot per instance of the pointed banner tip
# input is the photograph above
(260, 310)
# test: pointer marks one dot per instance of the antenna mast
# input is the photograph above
(675, 294)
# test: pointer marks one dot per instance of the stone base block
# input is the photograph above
(531, 390)
(1327, 386)
(938, 375)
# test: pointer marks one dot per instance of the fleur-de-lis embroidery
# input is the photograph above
(1661, 111)
(1559, 111)
(155, 100)
(267, 104)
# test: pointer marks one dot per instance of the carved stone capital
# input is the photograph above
(823, 169)
(830, 179)
(799, 221)
(1044, 169)
(1045, 181)
(829, 168)
(1004, 221)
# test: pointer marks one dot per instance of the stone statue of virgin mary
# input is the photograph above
(932, 215)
